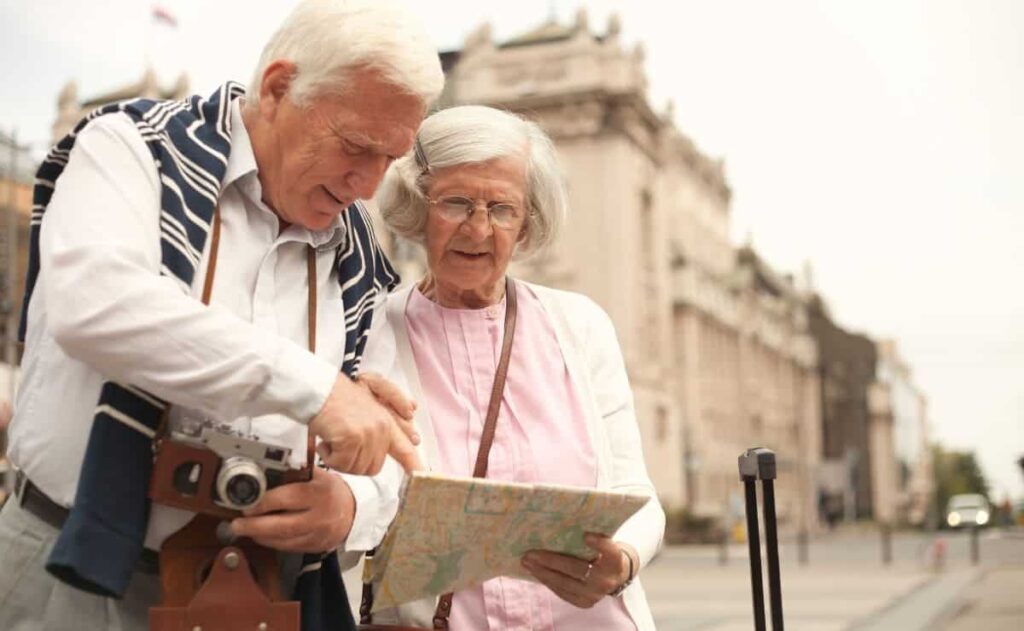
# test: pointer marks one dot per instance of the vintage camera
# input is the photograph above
(213, 468)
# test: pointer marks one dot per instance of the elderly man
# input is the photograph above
(247, 202)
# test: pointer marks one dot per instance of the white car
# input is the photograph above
(967, 510)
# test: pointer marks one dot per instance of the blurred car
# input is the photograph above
(967, 510)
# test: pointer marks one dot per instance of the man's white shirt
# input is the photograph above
(102, 311)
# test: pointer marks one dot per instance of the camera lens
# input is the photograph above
(240, 483)
(243, 489)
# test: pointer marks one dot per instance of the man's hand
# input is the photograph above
(362, 422)
(578, 582)
(313, 516)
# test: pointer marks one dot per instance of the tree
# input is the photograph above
(956, 472)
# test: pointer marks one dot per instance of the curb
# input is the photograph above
(925, 607)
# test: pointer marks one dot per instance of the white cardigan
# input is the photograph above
(594, 361)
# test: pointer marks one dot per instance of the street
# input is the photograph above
(844, 585)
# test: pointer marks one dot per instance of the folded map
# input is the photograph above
(451, 533)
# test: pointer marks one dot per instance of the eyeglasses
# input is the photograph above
(505, 215)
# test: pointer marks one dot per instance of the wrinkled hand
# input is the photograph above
(362, 422)
(578, 582)
(313, 516)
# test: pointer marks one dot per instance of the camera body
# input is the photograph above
(215, 469)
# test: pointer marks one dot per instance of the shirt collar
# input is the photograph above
(241, 160)
(243, 172)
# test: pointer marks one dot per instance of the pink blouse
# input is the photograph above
(541, 436)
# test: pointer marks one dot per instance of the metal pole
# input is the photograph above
(975, 548)
(886, 531)
(10, 341)
(723, 544)
(802, 545)
(772, 541)
(754, 544)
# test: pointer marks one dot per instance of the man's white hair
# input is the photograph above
(471, 134)
(328, 39)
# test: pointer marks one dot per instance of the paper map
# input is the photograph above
(451, 533)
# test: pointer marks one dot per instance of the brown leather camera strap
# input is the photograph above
(444, 603)
(211, 272)
(211, 264)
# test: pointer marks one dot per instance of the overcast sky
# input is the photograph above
(881, 140)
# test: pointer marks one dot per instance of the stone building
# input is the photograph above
(70, 109)
(716, 343)
(902, 470)
(850, 404)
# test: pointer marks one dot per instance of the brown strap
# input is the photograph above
(211, 265)
(211, 270)
(487, 438)
(311, 280)
(444, 603)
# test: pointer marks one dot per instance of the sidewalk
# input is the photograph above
(994, 603)
(844, 588)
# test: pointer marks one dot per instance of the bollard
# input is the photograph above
(723, 547)
(801, 547)
(975, 548)
(939, 554)
(886, 531)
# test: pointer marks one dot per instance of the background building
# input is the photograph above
(70, 109)
(717, 344)
(906, 476)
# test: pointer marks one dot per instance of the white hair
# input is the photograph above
(471, 134)
(328, 39)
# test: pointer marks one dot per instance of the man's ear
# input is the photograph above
(277, 80)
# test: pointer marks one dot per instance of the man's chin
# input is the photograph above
(321, 217)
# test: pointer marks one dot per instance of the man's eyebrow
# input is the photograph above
(361, 139)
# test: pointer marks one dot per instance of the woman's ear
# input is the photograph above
(524, 233)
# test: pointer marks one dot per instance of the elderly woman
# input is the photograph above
(484, 187)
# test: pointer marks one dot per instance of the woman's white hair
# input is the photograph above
(327, 39)
(471, 134)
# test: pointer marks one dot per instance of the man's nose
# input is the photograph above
(365, 176)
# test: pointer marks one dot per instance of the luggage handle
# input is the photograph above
(758, 463)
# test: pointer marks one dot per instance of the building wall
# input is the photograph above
(846, 369)
(912, 482)
(717, 363)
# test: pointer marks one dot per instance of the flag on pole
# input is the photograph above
(164, 16)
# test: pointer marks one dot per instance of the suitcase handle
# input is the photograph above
(755, 464)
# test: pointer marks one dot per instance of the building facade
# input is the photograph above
(850, 403)
(717, 345)
(903, 471)
(70, 109)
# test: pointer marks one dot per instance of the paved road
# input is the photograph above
(845, 586)
(994, 603)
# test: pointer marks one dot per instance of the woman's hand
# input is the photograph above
(583, 583)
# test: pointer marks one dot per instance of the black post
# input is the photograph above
(975, 551)
(772, 541)
(754, 544)
(886, 543)
(723, 546)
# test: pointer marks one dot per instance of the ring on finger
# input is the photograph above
(586, 575)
